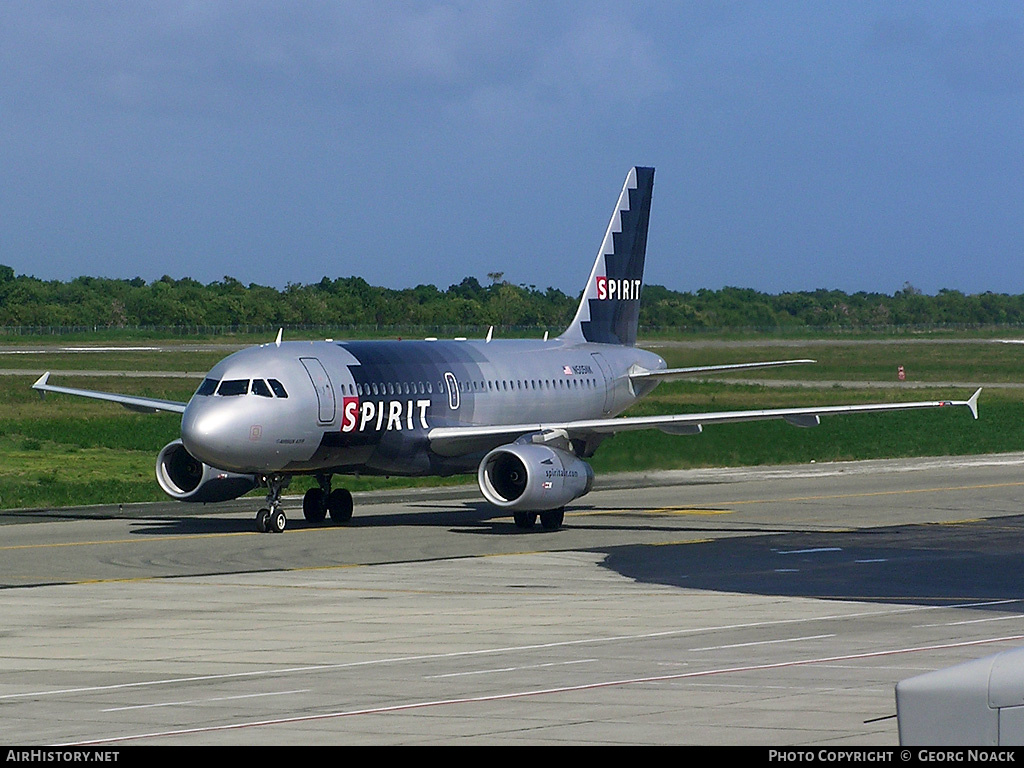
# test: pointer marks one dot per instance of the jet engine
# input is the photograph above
(533, 477)
(185, 478)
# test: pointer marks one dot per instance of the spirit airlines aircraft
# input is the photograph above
(523, 414)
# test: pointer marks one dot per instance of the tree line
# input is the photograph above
(350, 301)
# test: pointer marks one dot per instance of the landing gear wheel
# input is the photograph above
(277, 521)
(271, 519)
(524, 520)
(339, 503)
(552, 519)
(314, 505)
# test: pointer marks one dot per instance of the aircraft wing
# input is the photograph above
(671, 374)
(132, 403)
(455, 441)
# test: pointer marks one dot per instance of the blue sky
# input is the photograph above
(798, 145)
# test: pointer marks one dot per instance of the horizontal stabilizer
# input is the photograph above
(671, 374)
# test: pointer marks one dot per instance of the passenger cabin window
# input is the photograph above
(278, 387)
(259, 387)
(208, 387)
(231, 387)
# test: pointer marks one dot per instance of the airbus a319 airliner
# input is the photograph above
(523, 414)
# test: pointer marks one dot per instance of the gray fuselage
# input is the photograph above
(367, 406)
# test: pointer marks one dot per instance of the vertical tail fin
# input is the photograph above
(610, 307)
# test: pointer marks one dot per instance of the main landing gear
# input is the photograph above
(317, 503)
(320, 501)
(550, 520)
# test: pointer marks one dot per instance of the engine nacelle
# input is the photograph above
(532, 477)
(185, 478)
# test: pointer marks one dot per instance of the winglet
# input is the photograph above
(41, 384)
(973, 403)
(41, 381)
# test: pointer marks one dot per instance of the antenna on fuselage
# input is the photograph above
(545, 335)
(490, 332)
(280, 331)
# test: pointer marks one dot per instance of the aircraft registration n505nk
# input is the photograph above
(524, 414)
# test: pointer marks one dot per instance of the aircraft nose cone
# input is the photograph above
(204, 433)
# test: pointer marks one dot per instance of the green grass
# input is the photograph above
(850, 361)
(70, 451)
(838, 438)
(197, 362)
(846, 359)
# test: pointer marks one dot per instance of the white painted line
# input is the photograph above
(506, 649)
(110, 349)
(510, 695)
(809, 551)
(738, 686)
(761, 642)
(509, 669)
(60, 350)
(203, 701)
(973, 621)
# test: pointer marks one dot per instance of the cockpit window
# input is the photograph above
(230, 387)
(259, 387)
(208, 387)
(278, 387)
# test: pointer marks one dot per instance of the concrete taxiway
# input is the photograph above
(773, 606)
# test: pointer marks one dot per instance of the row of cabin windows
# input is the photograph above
(390, 388)
(529, 384)
(499, 385)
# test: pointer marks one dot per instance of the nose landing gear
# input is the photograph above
(271, 519)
